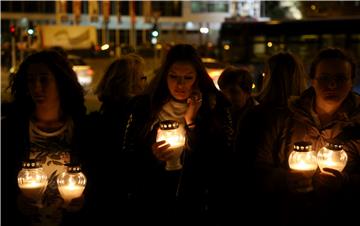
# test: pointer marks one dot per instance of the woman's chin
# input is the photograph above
(179, 99)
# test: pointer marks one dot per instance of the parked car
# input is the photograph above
(83, 71)
(214, 68)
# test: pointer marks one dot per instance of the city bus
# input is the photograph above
(251, 42)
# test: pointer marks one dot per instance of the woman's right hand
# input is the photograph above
(161, 150)
(299, 181)
(28, 206)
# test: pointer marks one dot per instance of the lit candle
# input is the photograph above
(32, 180)
(71, 191)
(303, 166)
(33, 190)
(174, 134)
(71, 184)
(303, 157)
(332, 156)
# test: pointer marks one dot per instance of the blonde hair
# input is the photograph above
(285, 76)
(121, 80)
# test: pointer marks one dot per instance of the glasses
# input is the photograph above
(326, 80)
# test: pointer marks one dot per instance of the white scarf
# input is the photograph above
(173, 110)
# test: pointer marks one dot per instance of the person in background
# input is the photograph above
(323, 113)
(197, 190)
(47, 115)
(284, 77)
(123, 80)
(236, 84)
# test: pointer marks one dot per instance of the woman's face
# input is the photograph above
(180, 80)
(332, 82)
(42, 85)
(140, 81)
(237, 96)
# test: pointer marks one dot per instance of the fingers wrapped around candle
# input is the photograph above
(161, 150)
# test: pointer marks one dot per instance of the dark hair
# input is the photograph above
(120, 80)
(234, 75)
(284, 77)
(332, 53)
(70, 91)
(158, 88)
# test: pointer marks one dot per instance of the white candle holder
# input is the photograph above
(303, 159)
(71, 184)
(332, 156)
(173, 134)
(32, 180)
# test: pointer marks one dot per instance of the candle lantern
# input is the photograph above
(173, 134)
(71, 183)
(332, 156)
(32, 180)
(303, 159)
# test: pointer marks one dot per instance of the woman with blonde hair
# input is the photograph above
(123, 79)
(285, 76)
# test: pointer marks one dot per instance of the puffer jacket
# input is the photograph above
(285, 126)
(299, 123)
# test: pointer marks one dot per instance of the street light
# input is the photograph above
(154, 34)
(12, 30)
(13, 48)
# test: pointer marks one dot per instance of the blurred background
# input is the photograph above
(245, 33)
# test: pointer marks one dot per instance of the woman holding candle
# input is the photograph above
(47, 116)
(183, 92)
(321, 114)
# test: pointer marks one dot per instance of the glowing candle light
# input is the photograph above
(303, 159)
(32, 180)
(173, 134)
(332, 156)
(71, 184)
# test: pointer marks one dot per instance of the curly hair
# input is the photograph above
(70, 91)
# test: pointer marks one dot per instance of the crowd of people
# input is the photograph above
(232, 165)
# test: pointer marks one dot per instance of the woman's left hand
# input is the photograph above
(328, 182)
(75, 204)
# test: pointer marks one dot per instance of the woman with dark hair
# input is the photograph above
(182, 91)
(46, 116)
